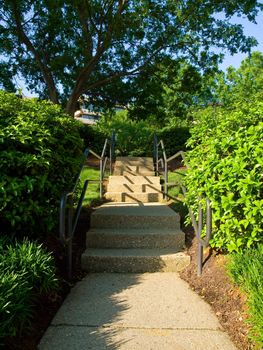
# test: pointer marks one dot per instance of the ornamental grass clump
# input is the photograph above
(246, 270)
(27, 270)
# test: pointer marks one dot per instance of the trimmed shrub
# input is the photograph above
(26, 270)
(93, 138)
(133, 138)
(226, 164)
(174, 138)
(41, 151)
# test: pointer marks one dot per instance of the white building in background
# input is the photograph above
(86, 116)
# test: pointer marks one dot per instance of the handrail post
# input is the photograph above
(155, 156)
(69, 243)
(110, 159)
(165, 179)
(157, 159)
(101, 177)
(208, 220)
(200, 247)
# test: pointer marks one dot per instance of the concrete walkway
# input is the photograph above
(156, 311)
(132, 309)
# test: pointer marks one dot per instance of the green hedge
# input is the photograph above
(226, 165)
(26, 270)
(41, 151)
(133, 138)
(174, 138)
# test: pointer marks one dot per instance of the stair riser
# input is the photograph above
(143, 241)
(129, 221)
(133, 188)
(120, 172)
(134, 197)
(133, 264)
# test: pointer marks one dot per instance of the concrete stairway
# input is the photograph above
(134, 237)
(133, 180)
(130, 237)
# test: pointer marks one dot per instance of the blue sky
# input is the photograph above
(250, 29)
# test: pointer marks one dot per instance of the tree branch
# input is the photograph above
(43, 67)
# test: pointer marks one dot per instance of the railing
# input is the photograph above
(103, 158)
(163, 160)
(197, 224)
(68, 215)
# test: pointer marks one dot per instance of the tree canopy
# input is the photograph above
(66, 48)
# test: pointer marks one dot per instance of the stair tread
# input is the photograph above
(135, 209)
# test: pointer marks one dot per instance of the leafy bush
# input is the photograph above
(26, 270)
(41, 150)
(133, 138)
(93, 138)
(226, 162)
(174, 138)
(246, 270)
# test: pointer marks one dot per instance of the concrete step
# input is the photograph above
(135, 215)
(135, 238)
(133, 260)
(133, 188)
(134, 197)
(134, 180)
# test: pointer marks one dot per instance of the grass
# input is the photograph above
(175, 177)
(246, 270)
(175, 192)
(93, 191)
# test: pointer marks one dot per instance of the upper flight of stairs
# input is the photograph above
(133, 180)
(134, 235)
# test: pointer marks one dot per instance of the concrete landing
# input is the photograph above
(134, 312)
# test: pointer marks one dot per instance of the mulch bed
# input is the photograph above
(215, 287)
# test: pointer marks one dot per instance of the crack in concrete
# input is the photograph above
(134, 327)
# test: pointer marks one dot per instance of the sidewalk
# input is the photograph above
(149, 311)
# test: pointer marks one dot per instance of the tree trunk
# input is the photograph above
(72, 104)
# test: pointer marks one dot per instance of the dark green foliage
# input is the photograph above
(174, 138)
(132, 138)
(41, 151)
(226, 165)
(64, 49)
(165, 91)
(246, 269)
(26, 270)
(93, 138)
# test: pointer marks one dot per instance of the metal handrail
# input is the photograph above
(66, 212)
(197, 224)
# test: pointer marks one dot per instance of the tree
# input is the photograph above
(165, 91)
(66, 48)
(244, 84)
